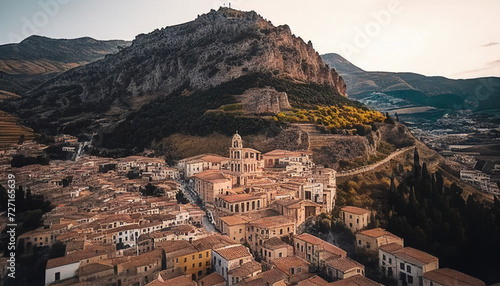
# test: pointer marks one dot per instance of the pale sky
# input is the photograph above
(452, 38)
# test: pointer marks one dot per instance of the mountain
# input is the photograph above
(388, 90)
(204, 76)
(41, 55)
(37, 59)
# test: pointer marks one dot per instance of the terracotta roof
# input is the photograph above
(264, 278)
(184, 280)
(447, 276)
(234, 252)
(239, 197)
(313, 281)
(71, 258)
(270, 222)
(286, 263)
(212, 176)
(246, 269)
(376, 232)
(212, 242)
(275, 243)
(391, 247)
(212, 280)
(144, 259)
(235, 219)
(415, 256)
(356, 280)
(344, 264)
(93, 268)
(176, 248)
(355, 210)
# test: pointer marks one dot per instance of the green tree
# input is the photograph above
(181, 199)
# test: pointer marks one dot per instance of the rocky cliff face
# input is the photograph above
(215, 48)
(165, 81)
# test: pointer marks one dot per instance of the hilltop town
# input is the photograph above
(209, 220)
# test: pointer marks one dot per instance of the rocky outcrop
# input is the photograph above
(264, 100)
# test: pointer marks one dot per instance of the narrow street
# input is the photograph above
(192, 196)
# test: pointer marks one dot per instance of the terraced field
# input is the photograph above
(11, 130)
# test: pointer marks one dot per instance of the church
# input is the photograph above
(245, 163)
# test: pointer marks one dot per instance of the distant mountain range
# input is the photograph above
(391, 91)
(37, 59)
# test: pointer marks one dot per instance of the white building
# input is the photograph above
(405, 264)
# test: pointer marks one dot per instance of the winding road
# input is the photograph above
(373, 166)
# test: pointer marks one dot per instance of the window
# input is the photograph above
(402, 266)
(367, 245)
(207, 254)
(146, 268)
(185, 259)
(240, 230)
(281, 231)
(390, 260)
(177, 260)
(185, 268)
(410, 279)
(408, 268)
(359, 242)
(57, 276)
(383, 256)
(200, 273)
(200, 255)
(200, 264)
(402, 276)
(280, 255)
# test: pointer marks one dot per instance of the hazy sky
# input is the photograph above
(452, 38)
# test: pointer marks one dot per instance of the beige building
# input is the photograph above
(263, 229)
(234, 227)
(300, 209)
(211, 184)
(355, 218)
(371, 239)
(278, 158)
(240, 203)
(193, 165)
(276, 248)
(342, 268)
(315, 250)
(405, 264)
(447, 276)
